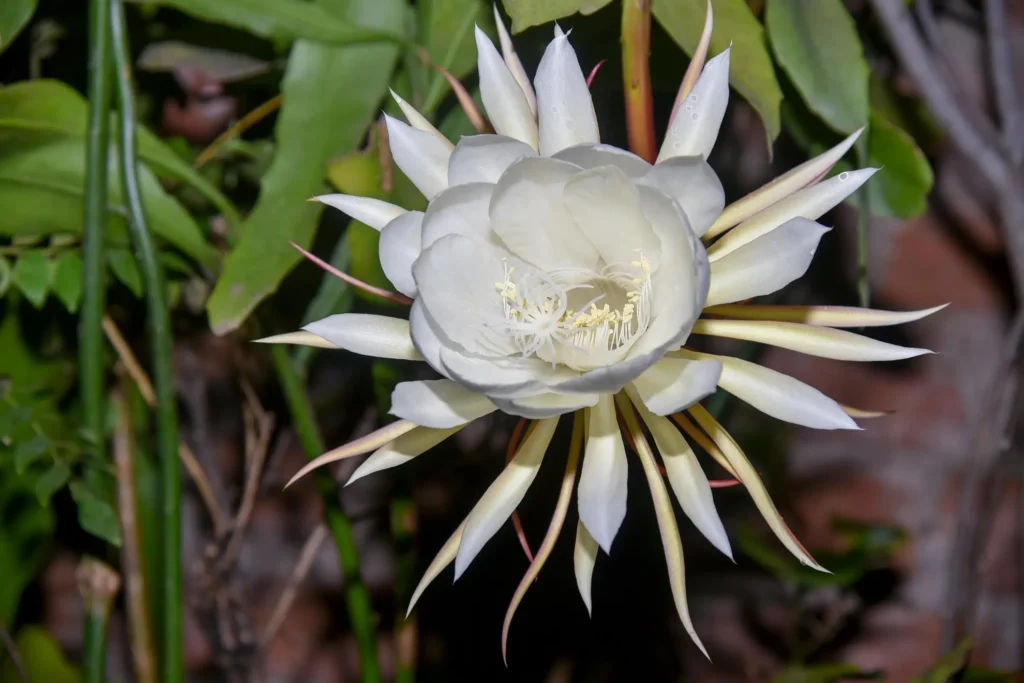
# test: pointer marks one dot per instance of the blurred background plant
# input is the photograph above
(156, 209)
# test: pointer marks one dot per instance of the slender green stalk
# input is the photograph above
(357, 599)
(159, 323)
(636, 77)
(90, 335)
(97, 584)
(863, 225)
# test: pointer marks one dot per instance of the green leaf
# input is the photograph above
(333, 296)
(901, 188)
(32, 274)
(14, 15)
(44, 109)
(12, 417)
(751, 71)
(51, 481)
(527, 13)
(331, 95)
(41, 190)
(24, 368)
(27, 452)
(292, 19)
(26, 528)
(221, 65)
(126, 269)
(42, 657)
(96, 515)
(67, 279)
(446, 32)
(5, 275)
(952, 663)
(386, 375)
(817, 45)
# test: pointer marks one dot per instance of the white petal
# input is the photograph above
(399, 248)
(545, 405)
(564, 107)
(505, 494)
(370, 335)
(810, 203)
(816, 341)
(301, 338)
(688, 480)
(513, 63)
(606, 207)
(513, 377)
(373, 212)
(528, 214)
(665, 515)
(795, 179)
(438, 403)
(504, 99)
(455, 277)
(778, 395)
(445, 556)
(402, 450)
(460, 210)
(611, 378)
(826, 316)
(483, 158)
(594, 155)
(602, 488)
(746, 473)
(360, 446)
(674, 384)
(694, 185)
(420, 155)
(419, 121)
(426, 336)
(767, 263)
(584, 555)
(695, 128)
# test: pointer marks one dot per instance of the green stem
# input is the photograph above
(159, 324)
(636, 77)
(357, 599)
(97, 584)
(863, 225)
(90, 336)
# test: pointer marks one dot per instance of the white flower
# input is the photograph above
(552, 274)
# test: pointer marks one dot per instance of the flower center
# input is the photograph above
(582, 319)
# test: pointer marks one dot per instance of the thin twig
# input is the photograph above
(937, 47)
(291, 589)
(188, 458)
(12, 651)
(139, 630)
(915, 58)
(245, 123)
(1008, 99)
(991, 438)
(259, 428)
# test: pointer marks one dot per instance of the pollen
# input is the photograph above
(539, 321)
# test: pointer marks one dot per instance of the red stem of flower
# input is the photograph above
(390, 296)
(513, 443)
(636, 77)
